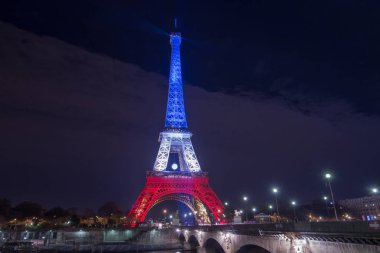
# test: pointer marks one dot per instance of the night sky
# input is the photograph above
(276, 93)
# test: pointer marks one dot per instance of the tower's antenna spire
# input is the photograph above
(175, 24)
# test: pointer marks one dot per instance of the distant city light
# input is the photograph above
(325, 197)
(328, 175)
(275, 190)
(171, 216)
(245, 198)
(293, 203)
(270, 206)
(226, 203)
(375, 190)
(174, 166)
(254, 209)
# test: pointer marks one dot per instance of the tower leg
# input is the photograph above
(163, 154)
(190, 157)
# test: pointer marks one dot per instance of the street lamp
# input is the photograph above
(226, 203)
(275, 191)
(374, 190)
(294, 209)
(325, 198)
(328, 177)
(254, 209)
(270, 208)
(245, 198)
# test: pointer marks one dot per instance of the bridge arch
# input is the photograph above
(251, 248)
(213, 246)
(182, 238)
(157, 187)
(202, 197)
(177, 197)
(193, 241)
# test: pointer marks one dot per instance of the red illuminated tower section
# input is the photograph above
(176, 173)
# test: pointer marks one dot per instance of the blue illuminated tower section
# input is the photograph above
(176, 152)
(175, 110)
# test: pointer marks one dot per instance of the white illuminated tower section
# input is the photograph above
(175, 139)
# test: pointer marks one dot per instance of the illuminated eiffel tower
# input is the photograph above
(176, 173)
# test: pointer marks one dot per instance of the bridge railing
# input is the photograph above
(349, 227)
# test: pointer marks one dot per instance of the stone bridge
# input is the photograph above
(321, 237)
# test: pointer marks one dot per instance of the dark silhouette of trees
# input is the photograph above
(5, 207)
(109, 209)
(57, 212)
(88, 212)
(74, 220)
(28, 209)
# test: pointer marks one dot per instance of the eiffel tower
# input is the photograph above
(176, 173)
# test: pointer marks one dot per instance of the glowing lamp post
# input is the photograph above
(325, 198)
(226, 203)
(294, 210)
(328, 177)
(270, 209)
(275, 192)
(374, 191)
(245, 198)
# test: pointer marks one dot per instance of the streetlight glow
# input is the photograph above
(294, 210)
(254, 209)
(226, 203)
(270, 206)
(275, 191)
(375, 190)
(245, 198)
(328, 176)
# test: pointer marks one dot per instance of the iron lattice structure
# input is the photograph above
(159, 188)
(176, 172)
(175, 110)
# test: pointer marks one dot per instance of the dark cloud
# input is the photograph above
(78, 129)
(328, 49)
